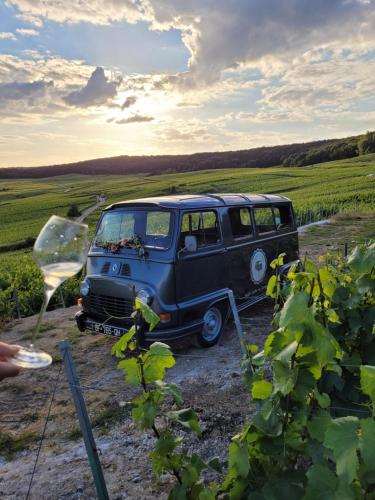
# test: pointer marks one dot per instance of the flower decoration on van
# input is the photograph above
(115, 246)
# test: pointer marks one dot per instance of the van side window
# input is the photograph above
(240, 221)
(203, 225)
(264, 220)
(283, 217)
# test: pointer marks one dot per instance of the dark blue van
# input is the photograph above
(181, 254)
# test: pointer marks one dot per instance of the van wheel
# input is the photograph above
(212, 328)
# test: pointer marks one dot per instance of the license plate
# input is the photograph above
(112, 331)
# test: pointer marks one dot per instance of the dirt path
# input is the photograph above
(99, 201)
(210, 380)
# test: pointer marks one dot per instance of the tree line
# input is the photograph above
(288, 155)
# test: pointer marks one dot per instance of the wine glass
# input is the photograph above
(60, 251)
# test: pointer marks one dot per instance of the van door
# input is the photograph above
(240, 250)
(265, 248)
(204, 270)
(286, 229)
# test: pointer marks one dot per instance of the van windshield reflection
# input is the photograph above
(152, 227)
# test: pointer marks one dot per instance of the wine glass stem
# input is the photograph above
(46, 299)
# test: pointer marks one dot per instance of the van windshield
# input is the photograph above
(152, 227)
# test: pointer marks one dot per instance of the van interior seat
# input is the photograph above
(207, 237)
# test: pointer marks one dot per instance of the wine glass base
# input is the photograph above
(31, 358)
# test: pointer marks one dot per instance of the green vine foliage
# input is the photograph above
(312, 435)
(146, 369)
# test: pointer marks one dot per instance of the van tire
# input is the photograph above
(213, 326)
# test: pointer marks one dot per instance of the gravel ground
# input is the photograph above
(210, 380)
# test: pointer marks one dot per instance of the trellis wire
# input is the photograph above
(43, 433)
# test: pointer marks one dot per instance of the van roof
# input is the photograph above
(201, 200)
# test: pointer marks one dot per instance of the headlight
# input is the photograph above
(84, 288)
(144, 296)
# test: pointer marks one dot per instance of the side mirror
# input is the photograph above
(191, 243)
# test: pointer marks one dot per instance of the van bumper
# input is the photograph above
(84, 323)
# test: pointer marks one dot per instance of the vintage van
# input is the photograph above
(182, 254)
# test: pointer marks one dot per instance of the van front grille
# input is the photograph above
(109, 306)
(125, 270)
(105, 267)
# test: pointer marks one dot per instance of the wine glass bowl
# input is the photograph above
(60, 252)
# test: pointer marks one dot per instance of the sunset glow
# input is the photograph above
(88, 79)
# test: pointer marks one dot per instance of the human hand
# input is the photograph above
(8, 369)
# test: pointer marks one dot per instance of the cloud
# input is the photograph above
(225, 35)
(16, 91)
(27, 32)
(129, 101)
(135, 119)
(96, 92)
(71, 11)
(7, 35)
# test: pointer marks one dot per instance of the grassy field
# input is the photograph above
(344, 185)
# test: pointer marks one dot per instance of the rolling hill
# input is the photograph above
(287, 155)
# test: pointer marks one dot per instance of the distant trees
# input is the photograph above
(367, 143)
(301, 154)
(335, 150)
(73, 211)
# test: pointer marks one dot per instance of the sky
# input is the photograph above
(96, 78)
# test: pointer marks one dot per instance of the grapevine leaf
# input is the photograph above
(295, 310)
(368, 383)
(321, 483)
(365, 284)
(156, 360)
(167, 443)
(268, 419)
(332, 316)
(279, 261)
(271, 286)
(148, 314)
(342, 438)
(318, 424)
(293, 437)
(367, 444)
(122, 344)
(328, 282)
(186, 417)
(362, 259)
(323, 399)
(284, 376)
(207, 494)
(172, 390)
(131, 370)
(258, 359)
(282, 489)
(144, 411)
(238, 460)
(261, 389)
(179, 492)
(252, 348)
(304, 385)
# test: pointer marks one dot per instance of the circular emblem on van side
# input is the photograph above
(258, 266)
(114, 268)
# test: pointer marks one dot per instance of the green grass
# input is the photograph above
(26, 204)
(10, 443)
